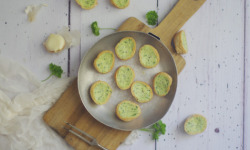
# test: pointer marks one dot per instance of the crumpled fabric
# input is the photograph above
(32, 11)
(72, 37)
(23, 102)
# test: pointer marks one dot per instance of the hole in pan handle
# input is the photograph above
(154, 36)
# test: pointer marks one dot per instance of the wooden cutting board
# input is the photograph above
(69, 107)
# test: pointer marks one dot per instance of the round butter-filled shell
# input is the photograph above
(54, 43)
(104, 61)
(121, 4)
(149, 56)
(180, 43)
(162, 83)
(141, 91)
(124, 77)
(87, 4)
(195, 124)
(127, 110)
(100, 92)
(125, 49)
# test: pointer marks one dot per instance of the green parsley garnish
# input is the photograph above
(157, 129)
(55, 70)
(152, 17)
(96, 29)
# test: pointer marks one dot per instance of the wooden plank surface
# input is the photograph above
(69, 108)
(211, 61)
(75, 23)
(246, 112)
(167, 28)
(211, 84)
(140, 26)
(108, 16)
(22, 40)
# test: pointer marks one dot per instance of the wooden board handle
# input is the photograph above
(172, 23)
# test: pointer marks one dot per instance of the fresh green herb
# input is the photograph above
(96, 29)
(55, 70)
(152, 17)
(157, 129)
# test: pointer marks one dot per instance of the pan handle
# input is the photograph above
(153, 35)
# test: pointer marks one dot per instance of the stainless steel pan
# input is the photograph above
(151, 111)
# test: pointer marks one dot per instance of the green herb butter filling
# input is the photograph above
(183, 37)
(104, 62)
(124, 77)
(195, 124)
(161, 84)
(125, 49)
(102, 92)
(121, 3)
(148, 56)
(128, 109)
(86, 3)
(142, 92)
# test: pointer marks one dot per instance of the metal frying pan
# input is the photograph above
(152, 111)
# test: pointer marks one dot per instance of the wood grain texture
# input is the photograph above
(172, 23)
(246, 103)
(140, 26)
(108, 16)
(75, 24)
(69, 108)
(22, 41)
(106, 136)
(211, 83)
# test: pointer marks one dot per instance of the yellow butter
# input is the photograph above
(54, 43)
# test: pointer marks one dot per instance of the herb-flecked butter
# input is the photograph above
(124, 77)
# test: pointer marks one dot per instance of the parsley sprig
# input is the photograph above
(157, 129)
(96, 30)
(152, 17)
(55, 71)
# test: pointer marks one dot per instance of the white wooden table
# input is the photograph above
(214, 83)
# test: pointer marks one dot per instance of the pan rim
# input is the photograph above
(121, 32)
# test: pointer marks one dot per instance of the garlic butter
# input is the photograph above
(54, 43)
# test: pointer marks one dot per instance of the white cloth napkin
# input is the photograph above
(23, 101)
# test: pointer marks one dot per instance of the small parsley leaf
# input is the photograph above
(157, 129)
(55, 70)
(152, 17)
(96, 30)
